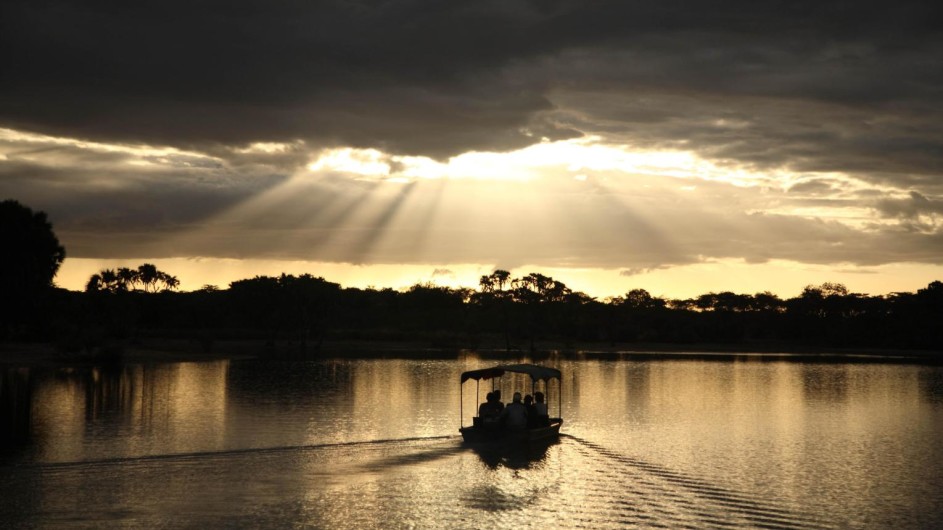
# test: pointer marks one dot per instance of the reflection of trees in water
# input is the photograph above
(338, 388)
(824, 382)
(289, 382)
(931, 384)
(137, 395)
(311, 398)
(109, 391)
(182, 404)
(15, 406)
(55, 409)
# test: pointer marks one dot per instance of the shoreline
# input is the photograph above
(179, 350)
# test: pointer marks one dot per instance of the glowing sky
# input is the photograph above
(609, 145)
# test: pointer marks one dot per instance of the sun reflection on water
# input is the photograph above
(373, 442)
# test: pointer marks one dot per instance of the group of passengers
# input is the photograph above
(529, 413)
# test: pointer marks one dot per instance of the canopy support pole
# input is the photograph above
(477, 395)
(560, 397)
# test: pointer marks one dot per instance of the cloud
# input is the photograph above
(909, 208)
(406, 77)
(813, 186)
(820, 87)
(856, 271)
(181, 129)
(129, 201)
(635, 271)
(887, 146)
(96, 191)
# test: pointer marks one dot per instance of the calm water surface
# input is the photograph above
(373, 443)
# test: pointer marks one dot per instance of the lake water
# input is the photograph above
(374, 443)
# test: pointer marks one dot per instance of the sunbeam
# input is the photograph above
(379, 225)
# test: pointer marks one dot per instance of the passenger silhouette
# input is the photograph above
(515, 414)
(489, 412)
(497, 399)
(543, 417)
(531, 411)
(485, 408)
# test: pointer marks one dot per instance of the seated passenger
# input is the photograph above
(531, 411)
(543, 417)
(487, 406)
(489, 412)
(515, 414)
(497, 400)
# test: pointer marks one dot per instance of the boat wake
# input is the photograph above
(680, 499)
(198, 455)
(575, 483)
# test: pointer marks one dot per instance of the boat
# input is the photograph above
(481, 431)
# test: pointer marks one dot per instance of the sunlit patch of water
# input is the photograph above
(373, 443)
(396, 483)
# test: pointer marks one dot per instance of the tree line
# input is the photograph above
(525, 313)
(528, 312)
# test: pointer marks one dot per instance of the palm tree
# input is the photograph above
(148, 276)
(109, 280)
(169, 282)
(494, 282)
(127, 278)
(94, 284)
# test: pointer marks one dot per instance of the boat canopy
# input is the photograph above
(536, 373)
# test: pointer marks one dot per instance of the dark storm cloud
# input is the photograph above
(417, 77)
(893, 146)
(815, 86)
(809, 87)
(94, 192)
(910, 208)
(813, 187)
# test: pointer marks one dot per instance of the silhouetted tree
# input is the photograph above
(297, 305)
(109, 280)
(439, 312)
(767, 301)
(641, 299)
(31, 257)
(640, 316)
(932, 296)
(494, 298)
(306, 309)
(537, 288)
(912, 319)
(683, 304)
(153, 280)
(125, 279)
(540, 295)
(494, 282)
(308, 302)
(256, 303)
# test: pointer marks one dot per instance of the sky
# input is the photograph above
(676, 147)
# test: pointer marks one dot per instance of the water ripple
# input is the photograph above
(690, 500)
(411, 482)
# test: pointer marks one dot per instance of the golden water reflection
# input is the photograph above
(346, 441)
(118, 411)
(820, 433)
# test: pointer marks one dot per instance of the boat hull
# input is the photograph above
(478, 434)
